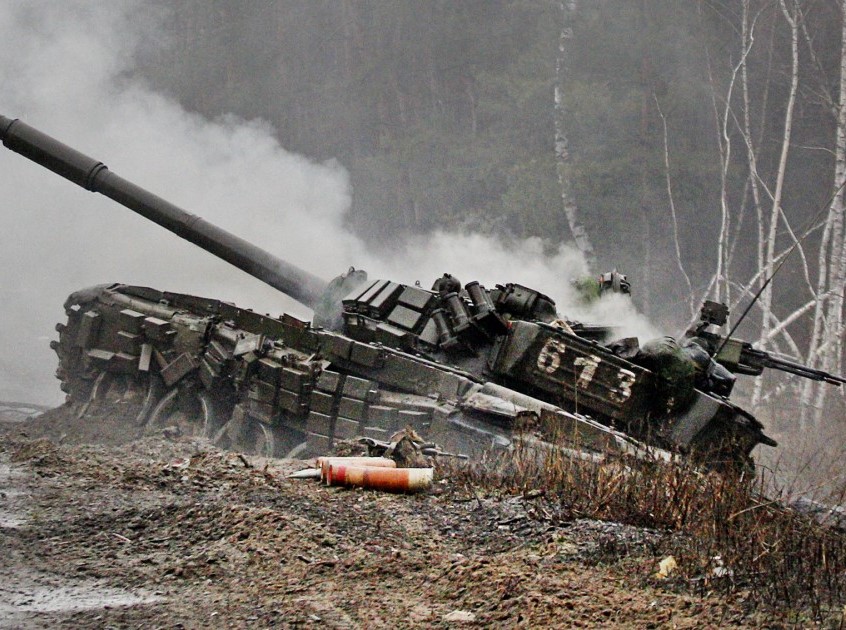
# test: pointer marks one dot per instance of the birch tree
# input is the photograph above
(825, 302)
(562, 153)
(792, 16)
(826, 346)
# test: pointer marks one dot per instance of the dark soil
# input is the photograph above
(102, 528)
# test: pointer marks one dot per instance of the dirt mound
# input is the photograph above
(169, 532)
(73, 423)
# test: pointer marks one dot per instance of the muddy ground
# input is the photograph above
(160, 532)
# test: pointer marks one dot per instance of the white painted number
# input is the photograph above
(627, 379)
(549, 358)
(588, 365)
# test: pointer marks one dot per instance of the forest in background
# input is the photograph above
(698, 145)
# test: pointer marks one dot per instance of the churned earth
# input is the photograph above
(101, 528)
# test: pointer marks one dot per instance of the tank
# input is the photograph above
(469, 367)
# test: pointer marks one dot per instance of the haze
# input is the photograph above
(68, 71)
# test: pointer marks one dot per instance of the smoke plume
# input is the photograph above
(68, 70)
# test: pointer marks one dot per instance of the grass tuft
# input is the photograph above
(727, 534)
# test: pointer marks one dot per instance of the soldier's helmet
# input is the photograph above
(614, 282)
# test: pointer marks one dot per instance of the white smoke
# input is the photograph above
(65, 71)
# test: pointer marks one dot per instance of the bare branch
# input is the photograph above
(691, 304)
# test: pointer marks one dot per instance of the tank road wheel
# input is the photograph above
(123, 395)
(184, 412)
(286, 442)
(246, 434)
(298, 451)
(94, 394)
(260, 439)
(155, 389)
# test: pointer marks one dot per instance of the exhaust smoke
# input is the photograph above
(69, 71)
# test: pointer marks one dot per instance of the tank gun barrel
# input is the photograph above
(95, 176)
(755, 361)
(740, 357)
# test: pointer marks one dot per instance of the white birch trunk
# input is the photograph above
(724, 119)
(725, 152)
(562, 154)
(830, 342)
(747, 35)
(673, 216)
(775, 212)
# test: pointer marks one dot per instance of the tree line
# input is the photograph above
(699, 147)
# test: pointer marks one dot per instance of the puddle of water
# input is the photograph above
(24, 592)
(7, 475)
(51, 599)
(10, 520)
(11, 497)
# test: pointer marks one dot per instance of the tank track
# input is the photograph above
(201, 367)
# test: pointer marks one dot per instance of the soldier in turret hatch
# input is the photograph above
(614, 282)
(447, 284)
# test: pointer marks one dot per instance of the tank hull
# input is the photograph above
(279, 386)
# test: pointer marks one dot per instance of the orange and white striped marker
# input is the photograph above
(380, 478)
(376, 462)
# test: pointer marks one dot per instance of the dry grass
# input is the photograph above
(731, 533)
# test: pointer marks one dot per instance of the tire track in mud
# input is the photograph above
(32, 598)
